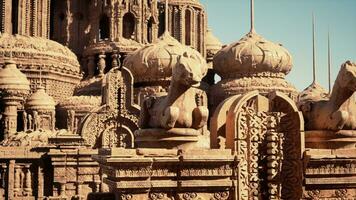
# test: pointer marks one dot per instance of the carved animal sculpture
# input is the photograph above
(185, 105)
(339, 112)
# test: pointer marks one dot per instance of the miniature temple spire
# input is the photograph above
(314, 52)
(329, 63)
(252, 30)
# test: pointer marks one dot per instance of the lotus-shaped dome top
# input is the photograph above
(40, 100)
(12, 80)
(253, 55)
(154, 62)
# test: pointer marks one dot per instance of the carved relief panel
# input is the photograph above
(113, 124)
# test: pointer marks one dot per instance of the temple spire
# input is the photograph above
(166, 17)
(252, 29)
(314, 52)
(329, 62)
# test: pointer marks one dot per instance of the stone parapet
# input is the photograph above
(176, 174)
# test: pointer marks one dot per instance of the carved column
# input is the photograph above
(182, 24)
(91, 66)
(53, 120)
(40, 180)
(101, 64)
(6, 17)
(17, 180)
(115, 61)
(10, 179)
(138, 30)
(3, 175)
(28, 181)
(10, 116)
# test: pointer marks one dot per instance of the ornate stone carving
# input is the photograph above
(266, 135)
(117, 118)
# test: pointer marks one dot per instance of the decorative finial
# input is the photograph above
(329, 62)
(314, 52)
(252, 30)
(166, 17)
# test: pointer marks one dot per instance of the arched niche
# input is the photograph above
(162, 22)
(104, 27)
(150, 30)
(266, 133)
(128, 25)
(188, 27)
(113, 124)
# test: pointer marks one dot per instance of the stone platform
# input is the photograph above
(169, 174)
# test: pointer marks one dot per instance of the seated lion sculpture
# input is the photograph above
(339, 111)
(185, 105)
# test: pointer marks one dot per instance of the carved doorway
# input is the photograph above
(266, 134)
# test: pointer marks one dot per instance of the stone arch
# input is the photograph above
(128, 25)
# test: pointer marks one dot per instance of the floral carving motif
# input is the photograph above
(156, 196)
(221, 195)
(126, 196)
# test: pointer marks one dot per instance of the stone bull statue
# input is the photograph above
(339, 111)
(183, 106)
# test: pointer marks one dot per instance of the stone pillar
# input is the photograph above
(53, 120)
(10, 179)
(115, 61)
(91, 66)
(34, 18)
(17, 179)
(6, 17)
(28, 181)
(40, 180)
(182, 25)
(101, 64)
(10, 117)
(3, 175)
(138, 30)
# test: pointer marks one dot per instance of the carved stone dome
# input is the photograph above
(252, 63)
(12, 80)
(312, 93)
(154, 62)
(59, 65)
(253, 56)
(40, 100)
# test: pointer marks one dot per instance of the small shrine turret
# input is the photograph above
(14, 86)
(40, 108)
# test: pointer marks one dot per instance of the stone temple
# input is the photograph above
(116, 100)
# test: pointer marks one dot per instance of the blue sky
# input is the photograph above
(289, 22)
